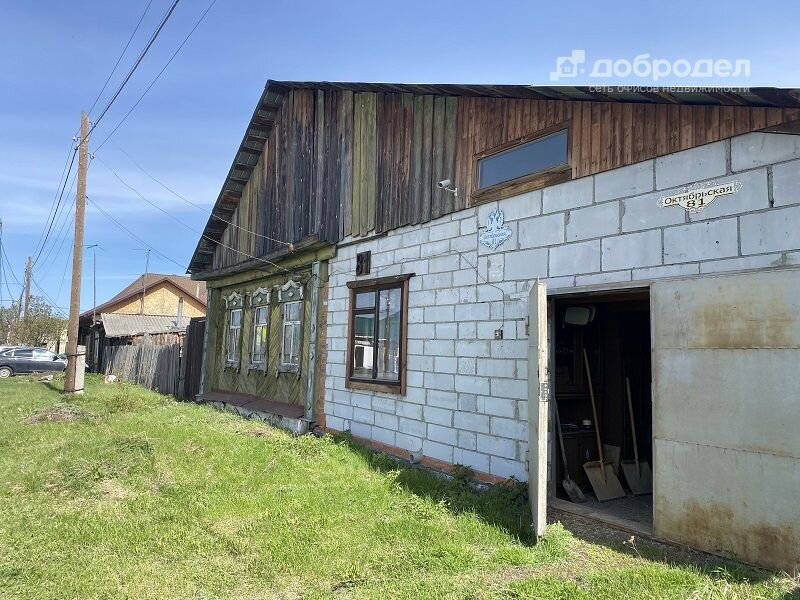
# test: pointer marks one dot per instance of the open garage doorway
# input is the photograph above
(600, 353)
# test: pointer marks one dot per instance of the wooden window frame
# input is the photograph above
(525, 183)
(377, 285)
(259, 299)
(284, 367)
(254, 326)
(236, 361)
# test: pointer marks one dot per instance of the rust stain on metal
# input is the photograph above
(757, 324)
(712, 526)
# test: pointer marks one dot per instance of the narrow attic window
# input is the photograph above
(523, 159)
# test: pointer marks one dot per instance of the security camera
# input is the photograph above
(444, 183)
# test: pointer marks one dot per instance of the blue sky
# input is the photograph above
(55, 56)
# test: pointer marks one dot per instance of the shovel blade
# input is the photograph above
(639, 480)
(611, 456)
(573, 491)
(604, 482)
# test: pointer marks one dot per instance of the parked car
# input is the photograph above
(29, 360)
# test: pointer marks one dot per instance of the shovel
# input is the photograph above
(637, 474)
(601, 475)
(573, 491)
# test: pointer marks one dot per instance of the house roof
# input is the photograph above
(195, 289)
(263, 119)
(117, 325)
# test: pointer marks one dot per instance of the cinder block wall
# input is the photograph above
(466, 398)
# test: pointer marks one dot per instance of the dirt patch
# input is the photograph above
(113, 490)
(59, 413)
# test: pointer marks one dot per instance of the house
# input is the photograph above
(154, 306)
(438, 268)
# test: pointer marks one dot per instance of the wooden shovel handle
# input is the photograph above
(594, 410)
(633, 424)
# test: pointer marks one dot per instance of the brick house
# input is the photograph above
(437, 268)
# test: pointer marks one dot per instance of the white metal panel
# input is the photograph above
(726, 381)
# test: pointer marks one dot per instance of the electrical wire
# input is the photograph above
(199, 207)
(133, 235)
(70, 155)
(152, 83)
(189, 227)
(116, 64)
(49, 299)
(58, 204)
(136, 64)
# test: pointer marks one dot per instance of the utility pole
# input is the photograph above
(28, 270)
(72, 376)
(144, 278)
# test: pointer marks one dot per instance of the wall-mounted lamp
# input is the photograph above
(446, 185)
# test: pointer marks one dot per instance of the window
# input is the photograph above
(377, 333)
(523, 159)
(259, 301)
(233, 333)
(290, 339)
(258, 345)
(234, 336)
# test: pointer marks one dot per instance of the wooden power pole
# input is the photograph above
(28, 270)
(73, 381)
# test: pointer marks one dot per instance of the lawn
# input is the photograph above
(124, 493)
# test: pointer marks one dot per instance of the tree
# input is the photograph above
(39, 327)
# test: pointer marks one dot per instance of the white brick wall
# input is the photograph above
(466, 399)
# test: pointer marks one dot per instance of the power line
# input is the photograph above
(70, 154)
(136, 64)
(58, 204)
(116, 64)
(204, 209)
(69, 220)
(49, 299)
(189, 227)
(152, 83)
(133, 235)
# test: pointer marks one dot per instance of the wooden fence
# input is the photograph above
(192, 358)
(154, 367)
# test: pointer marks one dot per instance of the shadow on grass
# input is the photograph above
(506, 507)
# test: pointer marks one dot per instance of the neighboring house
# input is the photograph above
(158, 306)
(434, 268)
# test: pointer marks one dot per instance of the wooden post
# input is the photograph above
(77, 264)
(28, 270)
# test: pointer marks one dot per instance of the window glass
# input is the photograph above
(363, 344)
(388, 334)
(534, 156)
(234, 335)
(290, 334)
(365, 300)
(42, 354)
(25, 353)
(258, 346)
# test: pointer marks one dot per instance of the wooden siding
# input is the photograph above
(340, 163)
(288, 387)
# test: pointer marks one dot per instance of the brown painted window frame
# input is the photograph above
(376, 285)
(526, 183)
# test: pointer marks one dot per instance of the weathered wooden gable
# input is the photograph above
(342, 162)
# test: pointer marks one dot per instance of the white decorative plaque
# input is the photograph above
(496, 232)
(695, 198)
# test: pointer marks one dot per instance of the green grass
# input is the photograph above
(123, 493)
